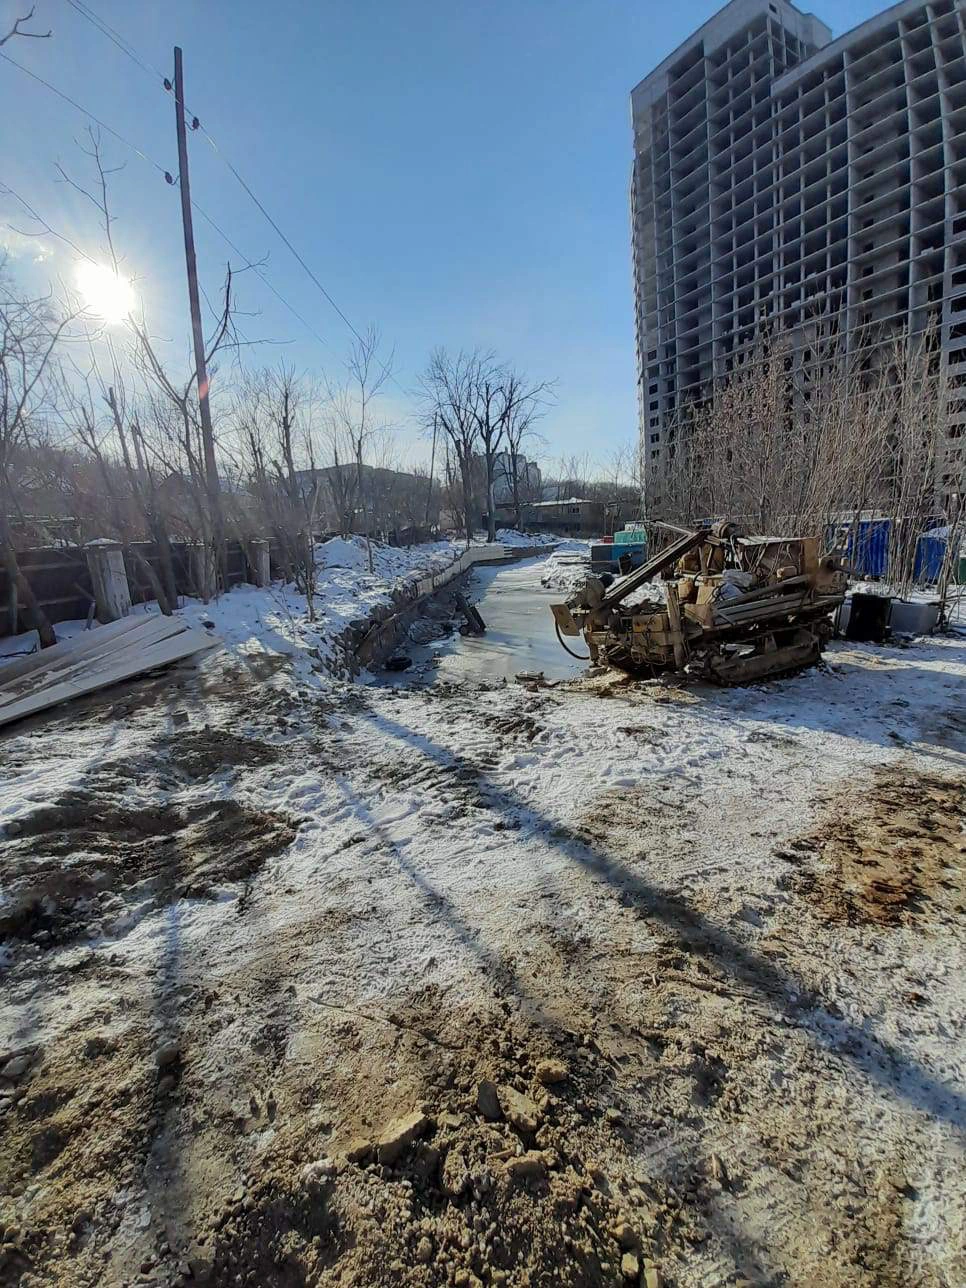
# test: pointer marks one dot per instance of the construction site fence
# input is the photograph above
(61, 581)
(60, 578)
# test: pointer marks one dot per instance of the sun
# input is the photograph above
(105, 294)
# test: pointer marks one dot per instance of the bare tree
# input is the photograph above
(178, 417)
(171, 446)
(17, 30)
(917, 450)
(504, 399)
(450, 387)
(480, 406)
(490, 405)
(30, 332)
(806, 434)
(519, 433)
(353, 420)
(130, 506)
(274, 419)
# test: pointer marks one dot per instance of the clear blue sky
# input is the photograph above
(454, 171)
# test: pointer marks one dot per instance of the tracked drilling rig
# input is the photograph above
(729, 607)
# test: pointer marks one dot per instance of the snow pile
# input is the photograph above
(342, 553)
(567, 568)
(274, 622)
(511, 537)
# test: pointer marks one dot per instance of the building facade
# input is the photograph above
(580, 517)
(779, 173)
(515, 476)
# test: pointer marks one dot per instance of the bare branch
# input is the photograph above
(15, 30)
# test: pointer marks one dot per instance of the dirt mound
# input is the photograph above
(890, 855)
(487, 1173)
(463, 1204)
(74, 867)
(483, 1182)
(81, 1119)
(480, 1164)
(198, 753)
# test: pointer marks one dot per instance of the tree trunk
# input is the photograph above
(467, 499)
(45, 632)
(490, 500)
(515, 481)
(166, 560)
(155, 581)
(13, 606)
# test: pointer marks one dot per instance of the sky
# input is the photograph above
(454, 172)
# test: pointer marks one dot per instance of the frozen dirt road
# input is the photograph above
(466, 984)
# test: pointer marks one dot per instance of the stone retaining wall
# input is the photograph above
(380, 639)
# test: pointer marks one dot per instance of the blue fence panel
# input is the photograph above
(870, 539)
(870, 557)
(930, 553)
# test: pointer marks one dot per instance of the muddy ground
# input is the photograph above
(402, 988)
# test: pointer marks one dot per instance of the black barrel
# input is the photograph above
(869, 617)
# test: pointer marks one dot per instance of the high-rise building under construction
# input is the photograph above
(778, 171)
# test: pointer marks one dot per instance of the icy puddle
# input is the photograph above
(519, 635)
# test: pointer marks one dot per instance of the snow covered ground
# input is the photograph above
(253, 915)
(275, 621)
(510, 537)
(567, 567)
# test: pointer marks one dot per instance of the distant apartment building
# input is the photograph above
(513, 475)
(577, 517)
(509, 466)
(778, 173)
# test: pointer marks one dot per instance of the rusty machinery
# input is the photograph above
(734, 608)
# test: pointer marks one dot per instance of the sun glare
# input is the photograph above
(106, 295)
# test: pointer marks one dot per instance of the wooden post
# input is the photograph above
(203, 570)
(212, 482)
(112, 595)
(259, 561)
(677, 634)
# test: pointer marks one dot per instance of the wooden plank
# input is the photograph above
(759, 611)
(664, 559)
(674, 618)
(92, 655)
(88, 642)
(130, 662)
(46, 669)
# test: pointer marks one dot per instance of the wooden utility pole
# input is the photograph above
(432, 467)
(212, 483)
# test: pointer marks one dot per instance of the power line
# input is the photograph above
(257, 269)
(247, 261)
(282, 235)
(127, 48)
(285, 239)
(83, 110)
(51, 231)
(121, 43)
(114, 36)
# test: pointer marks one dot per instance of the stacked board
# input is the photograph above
(98, 658)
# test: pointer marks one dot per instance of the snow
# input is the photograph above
(275, 621)
(340, 553)
(567, 567)
(440, 851)
(511, 537)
